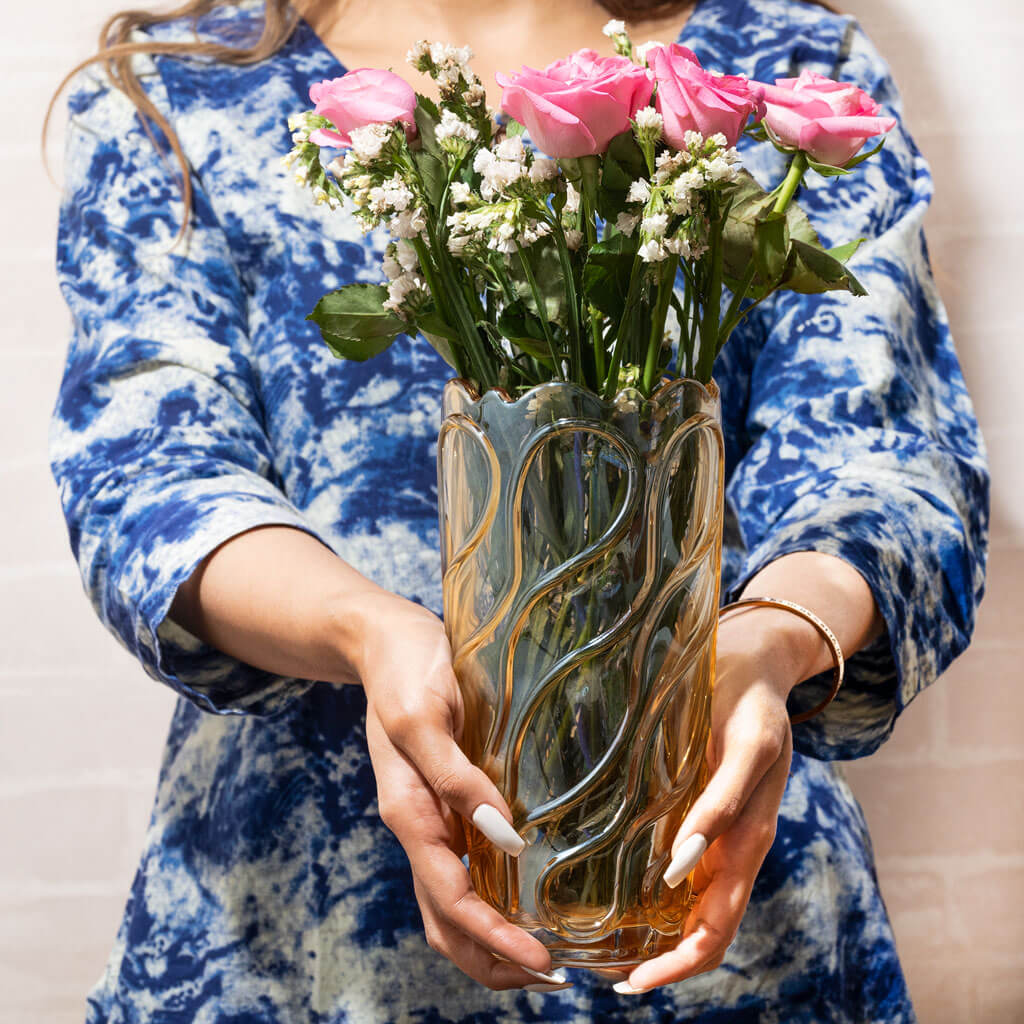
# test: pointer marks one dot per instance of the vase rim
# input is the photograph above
(666, 387)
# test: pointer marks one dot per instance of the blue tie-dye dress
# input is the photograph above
(197, 402)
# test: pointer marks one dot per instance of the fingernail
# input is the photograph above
(625, 989)
(548, 988)
(685, 860)
(491, 822)
(556, 978)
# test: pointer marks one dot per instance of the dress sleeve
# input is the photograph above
(862, 441)
(157, 442)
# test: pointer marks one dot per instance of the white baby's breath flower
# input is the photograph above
(639, 191)
(679, 244)
(456, 243)
(626, 223)
(573, 239)
(408, 224)
(719, 140)
(368, 141)
(511, 148)
(400, 289)
(652, 251)
(572, 198)
(405, 253)
(640, 52)
(417, 51)
(720, 169)
(655, 225)
(452, 126)
(439, 52)
(649, 119)
(473, 95)
(614, 28)
(543, 169)
(693, 140)
(460, 193)
(391, 267)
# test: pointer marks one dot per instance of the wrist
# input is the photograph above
(367, 624)
(787, 649)
(355, 623)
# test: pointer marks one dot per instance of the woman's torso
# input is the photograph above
(269, 890)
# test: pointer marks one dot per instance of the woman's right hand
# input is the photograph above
(425, 783)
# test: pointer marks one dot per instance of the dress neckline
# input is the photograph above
(684, 38)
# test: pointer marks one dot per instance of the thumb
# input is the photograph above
(743, 765)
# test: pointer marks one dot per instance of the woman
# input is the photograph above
(246, 511)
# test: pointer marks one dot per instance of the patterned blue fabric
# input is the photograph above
(197, 402)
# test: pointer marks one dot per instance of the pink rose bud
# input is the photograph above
(828, 120)
(576, 106)
(691, 99)
(361, 97)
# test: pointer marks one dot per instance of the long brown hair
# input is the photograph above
(116, 50)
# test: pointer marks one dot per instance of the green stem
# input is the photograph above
(712, 304)
(635, 277)
(795, 174)
(666, 279)
(590, 167)
(575, 343)
(539, 302)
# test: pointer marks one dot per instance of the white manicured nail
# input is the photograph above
(625, 989)
(557, 978)
(490, 821)
(685, 859)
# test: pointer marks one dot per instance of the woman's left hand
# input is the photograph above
(749, 752)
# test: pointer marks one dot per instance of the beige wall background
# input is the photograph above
(82, 727)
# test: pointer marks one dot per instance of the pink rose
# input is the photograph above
(692, 99)
(360, 97)
(828, 120)
(576, 106)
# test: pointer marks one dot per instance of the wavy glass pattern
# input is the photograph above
(581, 546)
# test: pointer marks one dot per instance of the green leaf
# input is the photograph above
(547, 271)
(427, 117)
(621, 165)
(433, 174)
(513, 127)
(437, 331)
(525, 332)
(606, 274)
(743, 240)
(771, 244)
(354, 323)
(826, 170)
(845, 251)
(865, 156)
(813, 270)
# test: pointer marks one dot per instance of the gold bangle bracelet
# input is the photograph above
(826, 633)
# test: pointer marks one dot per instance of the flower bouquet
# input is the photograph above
(581, 287)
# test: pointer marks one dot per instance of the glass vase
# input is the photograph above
(581, 548)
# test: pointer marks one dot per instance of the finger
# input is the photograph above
(717, 915)
(413, 812)
(475, 960)
(423, 730)
(446, 882)
(752, 741)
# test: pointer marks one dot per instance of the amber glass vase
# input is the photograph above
(581, 542)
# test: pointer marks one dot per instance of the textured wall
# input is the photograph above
(81, 728)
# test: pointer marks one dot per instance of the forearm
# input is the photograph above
(276, 598)
(827, 586)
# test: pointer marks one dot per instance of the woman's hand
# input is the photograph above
(749, 753)
(424, 782)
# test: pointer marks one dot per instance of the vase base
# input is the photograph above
(623, 948)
